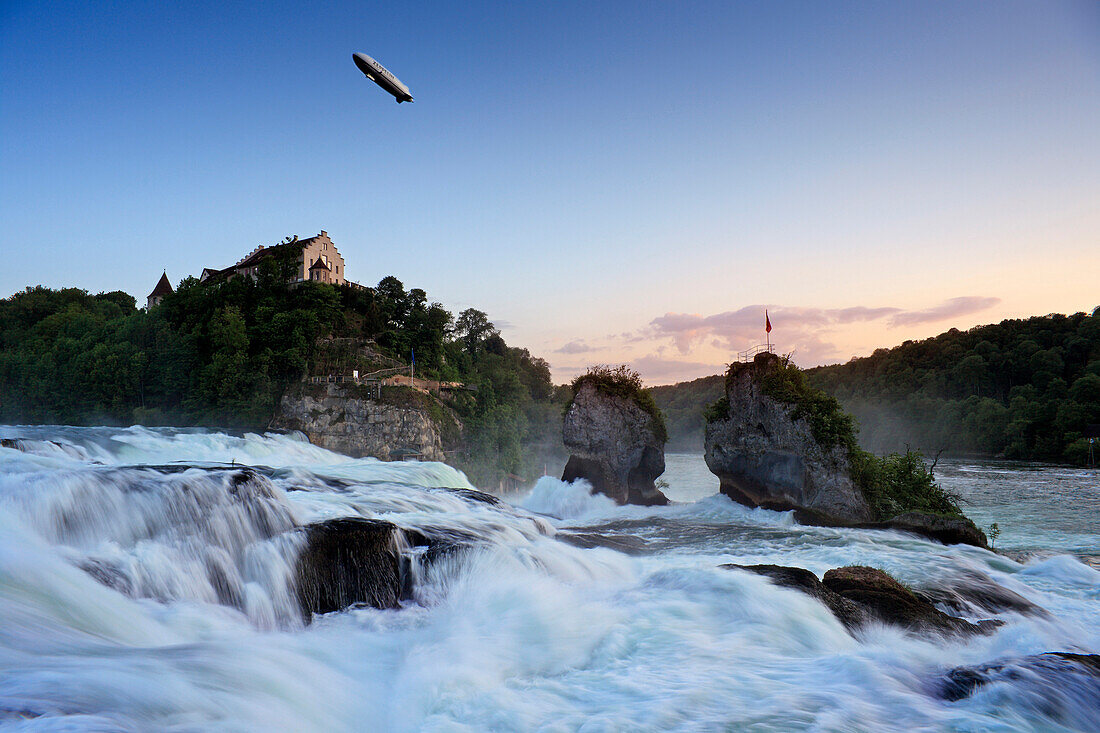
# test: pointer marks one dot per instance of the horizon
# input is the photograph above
(596, 179)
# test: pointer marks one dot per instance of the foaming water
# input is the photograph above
(146, 582)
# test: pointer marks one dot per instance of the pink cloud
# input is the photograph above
(952, 308)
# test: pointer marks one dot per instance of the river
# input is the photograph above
(521, 632)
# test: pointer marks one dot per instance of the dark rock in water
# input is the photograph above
(1062, 686)
(614, 445)
(948, 530)
(225, 580)
(857, 595)
(108, 575)
(477, 496)
(846, 611)
(763, 456)
(975, 591)
(349, 561)
(891, 602)
(623, 543)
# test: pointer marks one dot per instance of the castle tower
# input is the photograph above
(163, 288)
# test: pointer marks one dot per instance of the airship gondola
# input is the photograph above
(381, 76)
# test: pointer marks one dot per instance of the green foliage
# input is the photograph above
(1023, 389)
(898, 483)
(829, 424)
(994, 533)
(720, 410)
(622, 381)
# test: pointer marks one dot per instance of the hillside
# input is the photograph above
(1024, 389)
(222, 355)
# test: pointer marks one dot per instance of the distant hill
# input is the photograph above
(683, 405)
(1025, 388)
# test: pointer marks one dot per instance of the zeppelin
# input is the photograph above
(381, 76)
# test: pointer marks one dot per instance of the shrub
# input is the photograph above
(829, 424)
(720, 410)
(900, 482)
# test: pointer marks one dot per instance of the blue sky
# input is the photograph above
(611, 182)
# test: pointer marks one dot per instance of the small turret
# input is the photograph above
(163, 288)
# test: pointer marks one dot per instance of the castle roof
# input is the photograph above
(261, 252)
(319, 265)
(163, 287)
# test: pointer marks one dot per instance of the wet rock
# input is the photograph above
(858, 595)
(1063, 686)
(224, 579)
(622, 543)
(346, 562)
(615, 445)
(476, 495)
(976, 592)
(846, 611)
(109, 575)
(948, 530)
(765, 457)
(891, 602)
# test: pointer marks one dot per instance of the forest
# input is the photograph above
(221, 354)
(1025, 389)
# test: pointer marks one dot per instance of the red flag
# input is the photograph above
(767, 322)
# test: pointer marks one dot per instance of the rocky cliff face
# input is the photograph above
(764, 457)
(613, 444)
(339, 421)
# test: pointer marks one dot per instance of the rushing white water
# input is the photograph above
(146, 583)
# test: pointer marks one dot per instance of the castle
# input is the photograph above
(318, 261)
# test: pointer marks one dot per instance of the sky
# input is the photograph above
(611, 182)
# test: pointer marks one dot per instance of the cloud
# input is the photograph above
(576, 347)
(952, 308)
(801, 328)
(657, 370)
(502, 325)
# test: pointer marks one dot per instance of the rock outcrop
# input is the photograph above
(765, 457)
(948, 530)
(765, 453)
(615, 445)
(1063, 686)
(858, 595)
(334, 417)
(349, 561)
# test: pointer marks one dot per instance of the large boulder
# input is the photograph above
(858, 595)
(1062, 686)
(615, 444)
(948, 530)
(765, 456)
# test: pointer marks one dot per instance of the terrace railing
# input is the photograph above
(750, 353)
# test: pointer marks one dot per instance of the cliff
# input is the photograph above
(615, 443)
(342, 418)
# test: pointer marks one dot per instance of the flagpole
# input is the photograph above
(767, 331)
